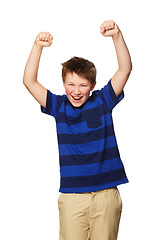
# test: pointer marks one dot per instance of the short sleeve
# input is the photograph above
(110, 96)
(51, 104)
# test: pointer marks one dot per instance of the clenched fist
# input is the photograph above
(109, 28)
(44, 39)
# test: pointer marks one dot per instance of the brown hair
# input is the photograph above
(81, 67)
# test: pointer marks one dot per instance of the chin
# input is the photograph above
(76, 104)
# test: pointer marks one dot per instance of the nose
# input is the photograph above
(77, 91)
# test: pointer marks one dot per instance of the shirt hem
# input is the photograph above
(93, 188)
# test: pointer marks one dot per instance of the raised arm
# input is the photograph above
(31, 70)
(110, 29)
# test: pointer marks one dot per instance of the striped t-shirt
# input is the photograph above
(88, 152)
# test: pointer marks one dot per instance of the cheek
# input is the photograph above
(68, 91)
(86, 93)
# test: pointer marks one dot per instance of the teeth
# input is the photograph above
(77, 98)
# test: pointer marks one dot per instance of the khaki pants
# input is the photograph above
(93, 216)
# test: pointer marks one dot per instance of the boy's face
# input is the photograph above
(77, 89)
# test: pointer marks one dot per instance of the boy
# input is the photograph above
(90, 166)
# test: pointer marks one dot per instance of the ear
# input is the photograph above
(93, 86)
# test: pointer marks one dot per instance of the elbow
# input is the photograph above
(128, 70)
(27, 80)
(24, 81)
(128, 73)
(130, 67)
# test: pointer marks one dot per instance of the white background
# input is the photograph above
(29, 168)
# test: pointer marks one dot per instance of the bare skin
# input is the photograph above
(44, 39)
(110, 29)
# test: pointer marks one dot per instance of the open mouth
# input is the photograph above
(77, 98)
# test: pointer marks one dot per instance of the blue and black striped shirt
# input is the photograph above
(88, 151)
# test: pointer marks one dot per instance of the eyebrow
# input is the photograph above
(83, 83)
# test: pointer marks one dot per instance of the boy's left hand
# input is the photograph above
(109, 28)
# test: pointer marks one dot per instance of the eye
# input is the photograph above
(70, 84)
(83, 85)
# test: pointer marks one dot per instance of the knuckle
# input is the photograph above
(41, 35)
(47, 34)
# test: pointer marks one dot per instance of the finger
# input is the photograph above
(107, 28)
(37, 39)
(108, 24)
(44, 39)
(44, 44)
(102, 29)
(47, 37)
(40, 36)
(109, 33)
(51, 37)
(44, 36)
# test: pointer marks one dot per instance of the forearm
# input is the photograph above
(110, 29)
(123, 56)
(31, 69)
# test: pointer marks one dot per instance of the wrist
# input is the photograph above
(37, 45)
(117, 35)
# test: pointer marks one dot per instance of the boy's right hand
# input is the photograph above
(44, 39)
